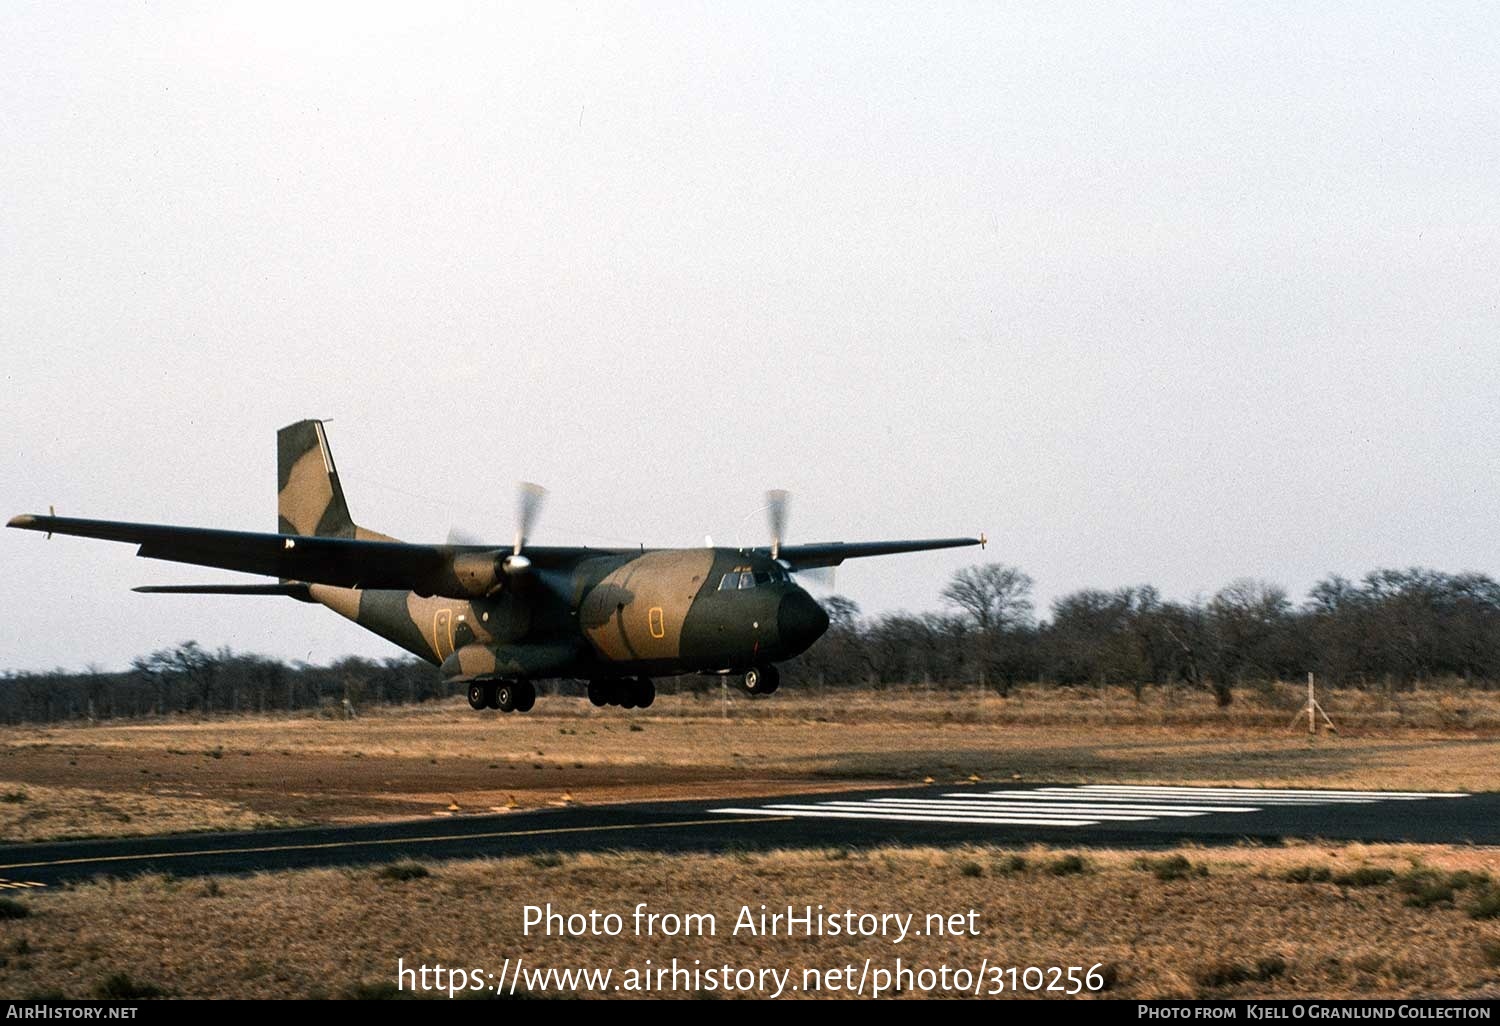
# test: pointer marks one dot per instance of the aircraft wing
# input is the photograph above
(343, 562)
(300, 592)
(805, 557)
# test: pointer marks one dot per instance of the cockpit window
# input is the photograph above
(744, 580)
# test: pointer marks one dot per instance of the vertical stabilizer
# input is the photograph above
(309, 498)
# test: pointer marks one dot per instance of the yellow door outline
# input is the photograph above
(658, 625)
(442, 633)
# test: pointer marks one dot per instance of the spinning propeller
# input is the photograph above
(529, 504)
(488, 572)
(777, 501)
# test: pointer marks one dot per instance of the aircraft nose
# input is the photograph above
(800, 621)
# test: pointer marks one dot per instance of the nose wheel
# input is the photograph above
(760, 680)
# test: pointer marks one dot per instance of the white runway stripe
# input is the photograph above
(1102, 801)
(1245, 792)
(1063, 808)
(1270, 799)
(1038, 815)
(1087, 805)
(825, 813)
(979, 811)
(1210, 800)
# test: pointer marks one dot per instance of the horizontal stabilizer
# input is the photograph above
(300, 592)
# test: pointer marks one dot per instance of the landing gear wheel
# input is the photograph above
(479, 696)
(525, 695)
(644, 691)
(505, 696)
(625, 694)
(761, 680)
(599, 693)
(491, 690)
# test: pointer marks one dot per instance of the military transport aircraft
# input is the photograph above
(499, 618)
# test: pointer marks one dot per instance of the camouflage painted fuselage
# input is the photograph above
(658, 612)
(606, 614)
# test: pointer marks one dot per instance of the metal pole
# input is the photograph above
(1312, 706)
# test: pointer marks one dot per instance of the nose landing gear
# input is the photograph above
(760, 680)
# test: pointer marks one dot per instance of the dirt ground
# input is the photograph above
(444, 759)
(1305, 920)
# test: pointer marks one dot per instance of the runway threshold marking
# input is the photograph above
(18, 885)
(376, 841)
(1089, 805)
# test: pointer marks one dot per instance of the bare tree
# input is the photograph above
(1251, 622)
(843, 613)
(996, 597)
(997, 601)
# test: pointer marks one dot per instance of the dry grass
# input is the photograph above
(1235, 926)
(429, 759)
(1232, 922)
(32, 813)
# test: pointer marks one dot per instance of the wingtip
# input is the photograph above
(23, 520)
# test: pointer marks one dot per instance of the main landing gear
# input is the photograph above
(627, 693)
(760, 680)
(505, 695)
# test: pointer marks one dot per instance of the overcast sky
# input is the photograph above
(1168, 293)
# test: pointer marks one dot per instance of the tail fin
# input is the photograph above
(309, 498)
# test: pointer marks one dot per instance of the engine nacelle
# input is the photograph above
(478, 573)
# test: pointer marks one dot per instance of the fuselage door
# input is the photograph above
(442, 633)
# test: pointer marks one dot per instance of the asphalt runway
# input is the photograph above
(1099, 815)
